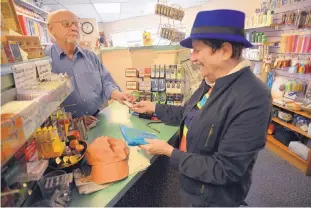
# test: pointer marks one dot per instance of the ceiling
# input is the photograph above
(126, 8)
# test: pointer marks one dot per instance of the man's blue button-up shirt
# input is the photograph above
(92, 82)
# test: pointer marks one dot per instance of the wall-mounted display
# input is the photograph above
(131, 85)
(131, 72)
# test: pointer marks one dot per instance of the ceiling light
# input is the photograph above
(108, 8)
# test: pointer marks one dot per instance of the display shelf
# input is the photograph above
(291, 127)
(257, 44)
(283, 151)
(259, 27)
(46, 44)
(7, 68)
(32, 18)
(255, 60)
(302, 113)
(31, 6)
(42, 108)
(284, 72)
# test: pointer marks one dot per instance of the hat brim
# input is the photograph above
(107, 173)
(187, 43)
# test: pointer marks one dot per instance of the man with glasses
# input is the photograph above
(93, 83)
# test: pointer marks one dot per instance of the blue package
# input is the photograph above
(135, 137)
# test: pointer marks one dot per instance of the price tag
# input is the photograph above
(24, 75)
(44, 69)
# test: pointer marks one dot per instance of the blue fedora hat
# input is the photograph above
(226, 25)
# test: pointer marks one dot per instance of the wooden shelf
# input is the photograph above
(31, 6)
(284, 72)
(32, 18)
(286, 154)
(302, 113)
(291, 127)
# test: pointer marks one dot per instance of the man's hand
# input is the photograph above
(144, 107)
(88, 120)
(122, 96)
(157, 147)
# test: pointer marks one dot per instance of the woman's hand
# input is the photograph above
(122, 96)
(144, 107)
(157, 147)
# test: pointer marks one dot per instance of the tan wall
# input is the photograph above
(116, 61)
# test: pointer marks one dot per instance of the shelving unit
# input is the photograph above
(302, 113)
(31, 6)
(291, 127)
(285, 153)
(32, 18)
(44, 105)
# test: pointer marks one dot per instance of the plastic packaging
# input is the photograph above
(135, 137)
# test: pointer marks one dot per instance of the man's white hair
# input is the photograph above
(55, 13)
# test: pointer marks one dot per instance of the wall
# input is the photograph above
(94, 36)
(154, 20)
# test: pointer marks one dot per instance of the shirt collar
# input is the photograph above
(61, 53)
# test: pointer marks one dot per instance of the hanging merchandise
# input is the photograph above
(174, 12)
(270, 79)
(172, 34)
(293, 63)
(297, 42)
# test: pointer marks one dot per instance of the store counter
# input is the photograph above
(110, 119)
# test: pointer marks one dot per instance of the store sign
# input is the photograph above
(44, 69)
(24, 75)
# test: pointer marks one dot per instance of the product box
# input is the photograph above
(16, 51)
(4, 59)
(27, 110)
(147, 72)
(12, 135)
(8, 52)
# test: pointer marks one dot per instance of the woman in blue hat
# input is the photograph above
(224, 124)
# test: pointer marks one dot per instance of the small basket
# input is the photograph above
(285, 116)
(304, 108)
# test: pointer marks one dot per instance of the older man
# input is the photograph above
(93, 83)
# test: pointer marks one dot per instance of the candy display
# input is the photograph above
(171, 12)
(170, 33)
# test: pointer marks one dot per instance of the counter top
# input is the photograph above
(153, 47)
(110, 119)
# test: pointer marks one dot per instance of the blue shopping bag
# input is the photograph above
(135, 137)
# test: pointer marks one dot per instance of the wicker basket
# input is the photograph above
(304, 108)
(285, 116)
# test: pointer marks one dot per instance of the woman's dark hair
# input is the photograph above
(216, 44)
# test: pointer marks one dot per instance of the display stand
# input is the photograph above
(278, 35)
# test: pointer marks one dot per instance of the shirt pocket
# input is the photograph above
(93, 81)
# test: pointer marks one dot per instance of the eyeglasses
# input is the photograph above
(67, 23)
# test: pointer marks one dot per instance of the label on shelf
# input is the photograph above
(44, 69)
(24, 75)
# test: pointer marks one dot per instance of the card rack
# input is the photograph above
(172, 13)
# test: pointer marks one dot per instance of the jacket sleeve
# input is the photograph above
(245, 136)
(169, 114)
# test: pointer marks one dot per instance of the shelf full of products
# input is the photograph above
(280, 31)
(35, 101)
(162, 83)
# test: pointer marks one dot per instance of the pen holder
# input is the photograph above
(50, 149)
(54, 180)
